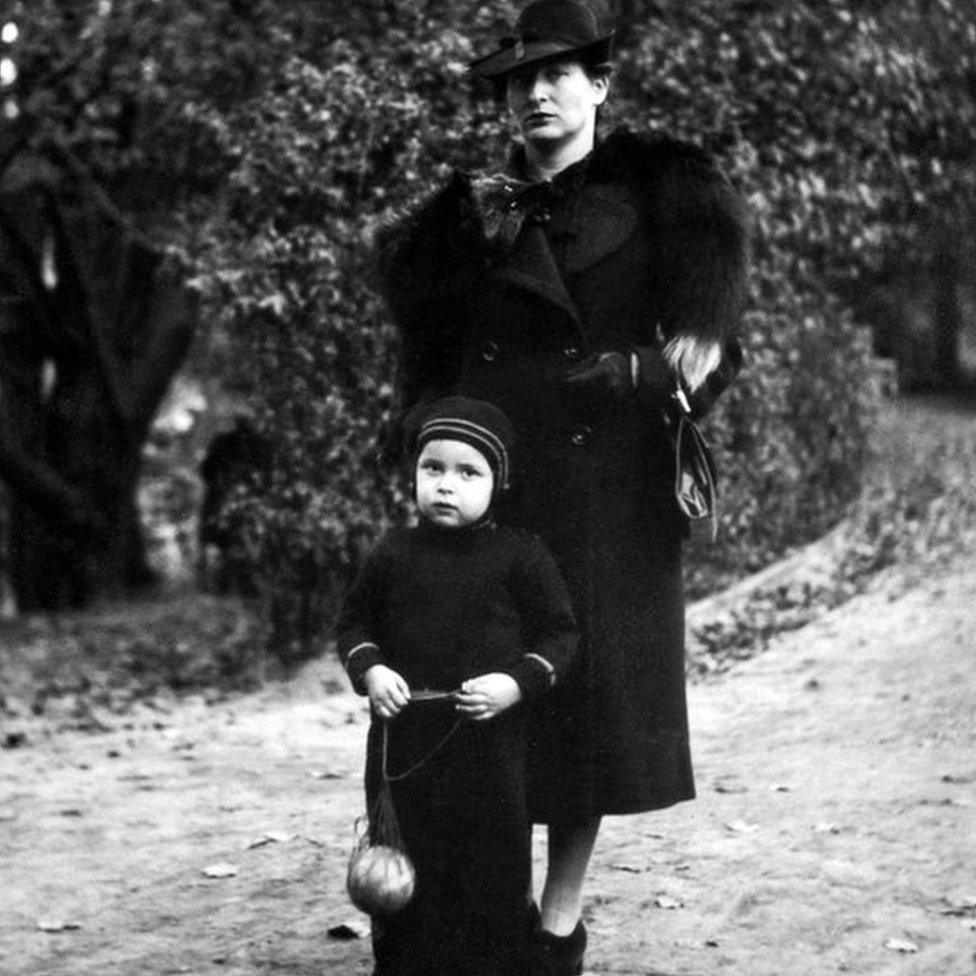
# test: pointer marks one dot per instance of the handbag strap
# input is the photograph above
(688, 430)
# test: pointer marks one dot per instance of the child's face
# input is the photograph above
(454, 483)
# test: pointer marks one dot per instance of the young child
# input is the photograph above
(457, 603)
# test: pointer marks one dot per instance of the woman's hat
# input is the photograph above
(547, 29)
(476, 422)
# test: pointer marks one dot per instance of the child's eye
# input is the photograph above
(467, 472)
(431, 466)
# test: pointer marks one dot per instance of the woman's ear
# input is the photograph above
(601, 88)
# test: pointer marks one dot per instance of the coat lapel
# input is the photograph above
(609, 220)
(532, 267)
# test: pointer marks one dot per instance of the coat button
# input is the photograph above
(489, 351)
(571, 352)
(541, 217)
(581, 434)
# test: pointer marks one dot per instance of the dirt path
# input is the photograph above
(835, 830)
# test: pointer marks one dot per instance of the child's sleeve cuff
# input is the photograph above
(358, 661)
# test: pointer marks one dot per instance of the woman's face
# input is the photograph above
(454, 483)
(555, 101)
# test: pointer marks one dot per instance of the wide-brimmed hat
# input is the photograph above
(547, 29)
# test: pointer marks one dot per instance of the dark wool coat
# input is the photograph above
(641, 244)
(440, 606)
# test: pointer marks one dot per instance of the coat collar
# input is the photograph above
(594, 219)
(595, 215)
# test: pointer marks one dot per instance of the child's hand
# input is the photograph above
(388, 692)
(487, 695)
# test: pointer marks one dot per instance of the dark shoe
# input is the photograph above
(557, 955)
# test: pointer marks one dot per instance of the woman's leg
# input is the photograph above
(570, 847)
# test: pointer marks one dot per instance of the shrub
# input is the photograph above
(805, 104)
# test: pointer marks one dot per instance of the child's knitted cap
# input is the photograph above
(476, 422)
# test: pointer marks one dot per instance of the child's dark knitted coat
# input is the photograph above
(441, 606)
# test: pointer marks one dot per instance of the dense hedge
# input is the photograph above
(804, 103)
(266, 143)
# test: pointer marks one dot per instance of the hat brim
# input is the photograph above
(516, 56)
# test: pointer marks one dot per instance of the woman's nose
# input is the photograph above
(538, 90)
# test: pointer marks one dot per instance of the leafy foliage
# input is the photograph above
(268, 139)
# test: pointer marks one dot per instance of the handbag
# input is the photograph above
(694, 468)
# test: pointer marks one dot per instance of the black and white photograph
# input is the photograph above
(487, 487)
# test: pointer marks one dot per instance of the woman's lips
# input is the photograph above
(538, 118)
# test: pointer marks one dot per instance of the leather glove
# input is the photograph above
(607, 373)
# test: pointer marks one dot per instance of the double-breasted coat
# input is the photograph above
(499, 290)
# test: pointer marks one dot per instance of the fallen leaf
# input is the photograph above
(632, 869)
(13, 740)
(220, 870)
(270, 837)
(780, 788)
(826, 828)
(57, 925)
(741, 827)
(901, 945)
(730, 786)
(325, 774)
(957, 778)
(348, 930)
(959, 906)
(666, 901)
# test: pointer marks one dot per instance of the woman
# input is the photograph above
(577, 291)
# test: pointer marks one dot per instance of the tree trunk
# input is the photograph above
(59, 560)
(92, 329)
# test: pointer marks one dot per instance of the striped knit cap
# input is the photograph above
(476, 422)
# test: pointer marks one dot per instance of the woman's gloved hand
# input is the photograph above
(607, 373)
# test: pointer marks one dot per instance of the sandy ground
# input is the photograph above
(835, 830)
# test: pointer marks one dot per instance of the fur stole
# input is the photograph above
(694, 219)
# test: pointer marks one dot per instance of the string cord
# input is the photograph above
(424, 759)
